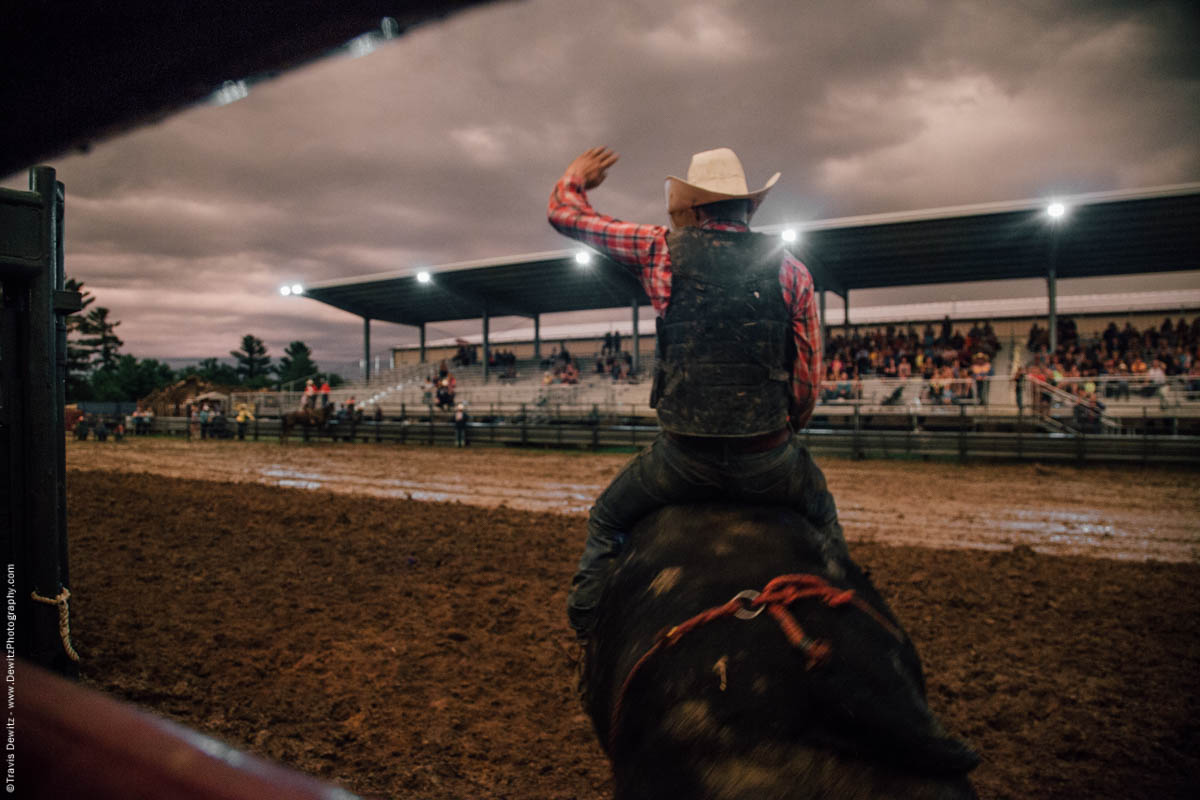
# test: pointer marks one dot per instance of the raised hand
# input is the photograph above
(592, 166)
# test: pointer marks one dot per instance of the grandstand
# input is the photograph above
(1114, 233)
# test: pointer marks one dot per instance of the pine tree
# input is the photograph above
(253, 363)
(79, 356)
(130, 379)
(295, 364)
(99, 334)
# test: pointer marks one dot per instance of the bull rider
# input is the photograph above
(738, 359)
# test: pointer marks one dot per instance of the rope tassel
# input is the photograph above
(64, 618)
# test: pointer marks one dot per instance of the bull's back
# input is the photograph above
(732, 709)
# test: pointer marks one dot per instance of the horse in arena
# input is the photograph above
(731, 660)
(306, 418)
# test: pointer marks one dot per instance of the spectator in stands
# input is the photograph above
(1123, 372)
(890, 369)
(1156, 376)
(845, 389)
(446, 389)
(981, 371)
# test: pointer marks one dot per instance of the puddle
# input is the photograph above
(548, 496)
(1051, 531)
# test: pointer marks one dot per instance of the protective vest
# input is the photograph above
(725, 348)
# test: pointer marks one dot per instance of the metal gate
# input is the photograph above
(33, 362)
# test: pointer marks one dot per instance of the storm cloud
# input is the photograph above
(442, 145)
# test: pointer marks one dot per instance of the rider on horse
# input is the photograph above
(738, 359)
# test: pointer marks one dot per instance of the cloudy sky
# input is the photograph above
(442, 145)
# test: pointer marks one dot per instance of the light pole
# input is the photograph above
(1056, 211)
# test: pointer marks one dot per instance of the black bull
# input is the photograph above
(731, 708)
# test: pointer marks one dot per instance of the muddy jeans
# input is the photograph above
(668, 472)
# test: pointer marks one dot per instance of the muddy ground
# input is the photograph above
(1127, 513)
(406, 648)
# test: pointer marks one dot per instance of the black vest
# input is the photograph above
(725, 346)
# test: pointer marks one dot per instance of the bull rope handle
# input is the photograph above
(64, 618)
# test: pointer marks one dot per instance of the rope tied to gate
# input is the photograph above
(64, 618)
(775, 597)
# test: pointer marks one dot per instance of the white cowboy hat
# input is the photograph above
(713, 176)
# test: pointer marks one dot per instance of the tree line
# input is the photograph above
(98, 370)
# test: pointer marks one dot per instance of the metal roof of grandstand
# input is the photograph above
(1103, 233)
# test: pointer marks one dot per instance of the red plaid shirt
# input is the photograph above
(644, 247)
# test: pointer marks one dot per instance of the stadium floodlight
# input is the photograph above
(788, 235)
(285, 290)
(362, 45)
(230, 92)
(583, 258)
(297, 289)
(424, 277)
(1056, 210)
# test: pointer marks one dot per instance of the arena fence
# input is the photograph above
(1121, 395)
(860, 435)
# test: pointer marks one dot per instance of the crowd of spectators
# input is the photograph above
(1117, 362)
(953, 366)
(466, 355)
(560, 367)
(98, 425)
(505, 361)
(612, 361)
(618, 366)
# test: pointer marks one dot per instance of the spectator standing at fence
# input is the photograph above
(710, 447)
(461, 418)
(325, 393)
(1018, 378)
(243, 417)
(204, 417)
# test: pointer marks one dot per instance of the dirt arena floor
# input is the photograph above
(293, 602)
